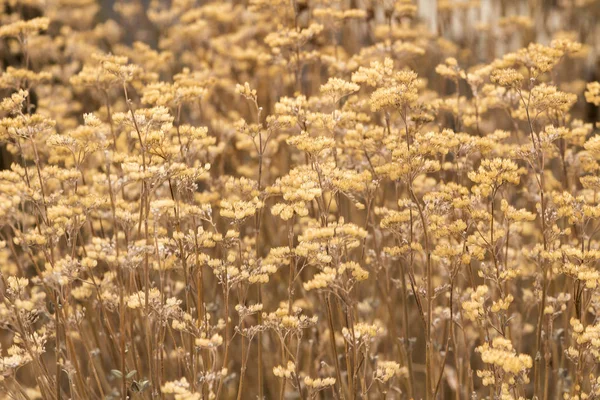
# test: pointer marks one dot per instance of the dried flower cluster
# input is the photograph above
(275, 199)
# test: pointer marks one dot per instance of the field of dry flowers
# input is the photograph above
(300, 199)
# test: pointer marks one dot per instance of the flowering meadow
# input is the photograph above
(299, 199)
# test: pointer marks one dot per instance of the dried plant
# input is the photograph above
(276, 199)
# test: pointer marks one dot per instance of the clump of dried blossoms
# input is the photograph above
(298, 199)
